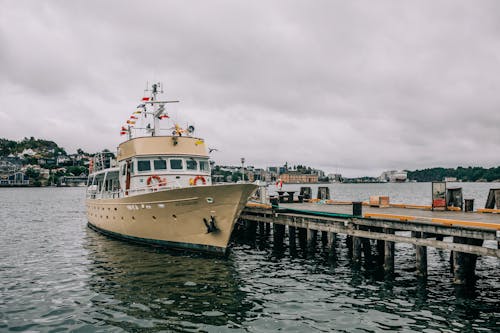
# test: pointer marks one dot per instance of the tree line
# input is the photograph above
(469, 174)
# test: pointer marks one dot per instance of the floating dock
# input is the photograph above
(370, 230)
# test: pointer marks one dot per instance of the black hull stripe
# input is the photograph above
(155, 242)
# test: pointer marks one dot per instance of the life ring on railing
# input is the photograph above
(279, 183)
(194, 181)
(91, 166)
(157, 183)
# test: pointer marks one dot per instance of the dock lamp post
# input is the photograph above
(243, 168)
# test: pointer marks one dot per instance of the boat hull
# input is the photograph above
(174, 218)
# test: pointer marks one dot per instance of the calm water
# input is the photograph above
(58, 275)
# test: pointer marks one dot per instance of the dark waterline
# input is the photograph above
(58, 275)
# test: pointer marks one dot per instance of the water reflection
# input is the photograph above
(133, 284)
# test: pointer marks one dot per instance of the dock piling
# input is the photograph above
(332, 239)
(421, 257)
(303, 238)
(311, 240)
(292, 237)
(464, 264)
(278, 234)
(356, 249)
(389, 255)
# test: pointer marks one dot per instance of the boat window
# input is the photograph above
(123, 169)
(191, 164)
(203, 166)
(143, 165)
(160, 164)
(176, 164)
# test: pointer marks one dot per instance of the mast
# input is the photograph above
(153, 111)
(158, 108)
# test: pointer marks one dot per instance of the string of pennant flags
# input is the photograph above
(130, 123)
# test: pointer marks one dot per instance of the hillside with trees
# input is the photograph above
(469, 174)
(44, 147)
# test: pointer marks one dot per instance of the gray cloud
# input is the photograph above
(355, 87)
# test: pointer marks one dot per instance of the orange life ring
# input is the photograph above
(279, 184)
(203, 180)
(159, 181)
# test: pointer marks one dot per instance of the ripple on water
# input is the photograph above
(58, 275)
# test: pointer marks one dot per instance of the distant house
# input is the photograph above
(7, 167)
(15, 179)
(29, 152)
(62, 159)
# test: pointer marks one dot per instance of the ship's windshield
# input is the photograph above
(176, 164)
(143, 165)
(160, 164)
(191, 164)
(203, 166)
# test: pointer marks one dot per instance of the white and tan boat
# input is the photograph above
(159, 190)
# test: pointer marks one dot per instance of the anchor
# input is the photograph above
(211, 227)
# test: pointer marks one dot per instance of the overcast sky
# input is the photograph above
(355, 87)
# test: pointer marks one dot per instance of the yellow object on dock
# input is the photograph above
(410, 206)
(258, 205)
(488, 210)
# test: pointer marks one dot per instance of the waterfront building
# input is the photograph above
(334, 177)
(296, 177)
(15, 179)
(394, 176)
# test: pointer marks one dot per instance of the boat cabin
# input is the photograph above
(149, 164)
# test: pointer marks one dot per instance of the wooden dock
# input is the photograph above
(467, 235)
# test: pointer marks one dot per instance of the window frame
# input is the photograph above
(182, 168)
(144, 160)
(159, 160)
(188, 160)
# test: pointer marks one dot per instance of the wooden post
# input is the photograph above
(278, 235)
(303, 238)
(251, 229)
(464, 264)
(367, 250)
(348, 244)
(389, 255)
(421, 257)
(332, 239)
(292, 237)
(380, 251)
(261, 228)
(324, 239)
(311, 240)
(356, 249)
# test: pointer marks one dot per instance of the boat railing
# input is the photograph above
(94, 193)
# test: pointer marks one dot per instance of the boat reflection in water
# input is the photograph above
(141, 287)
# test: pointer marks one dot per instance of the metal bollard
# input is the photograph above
(357, 208)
